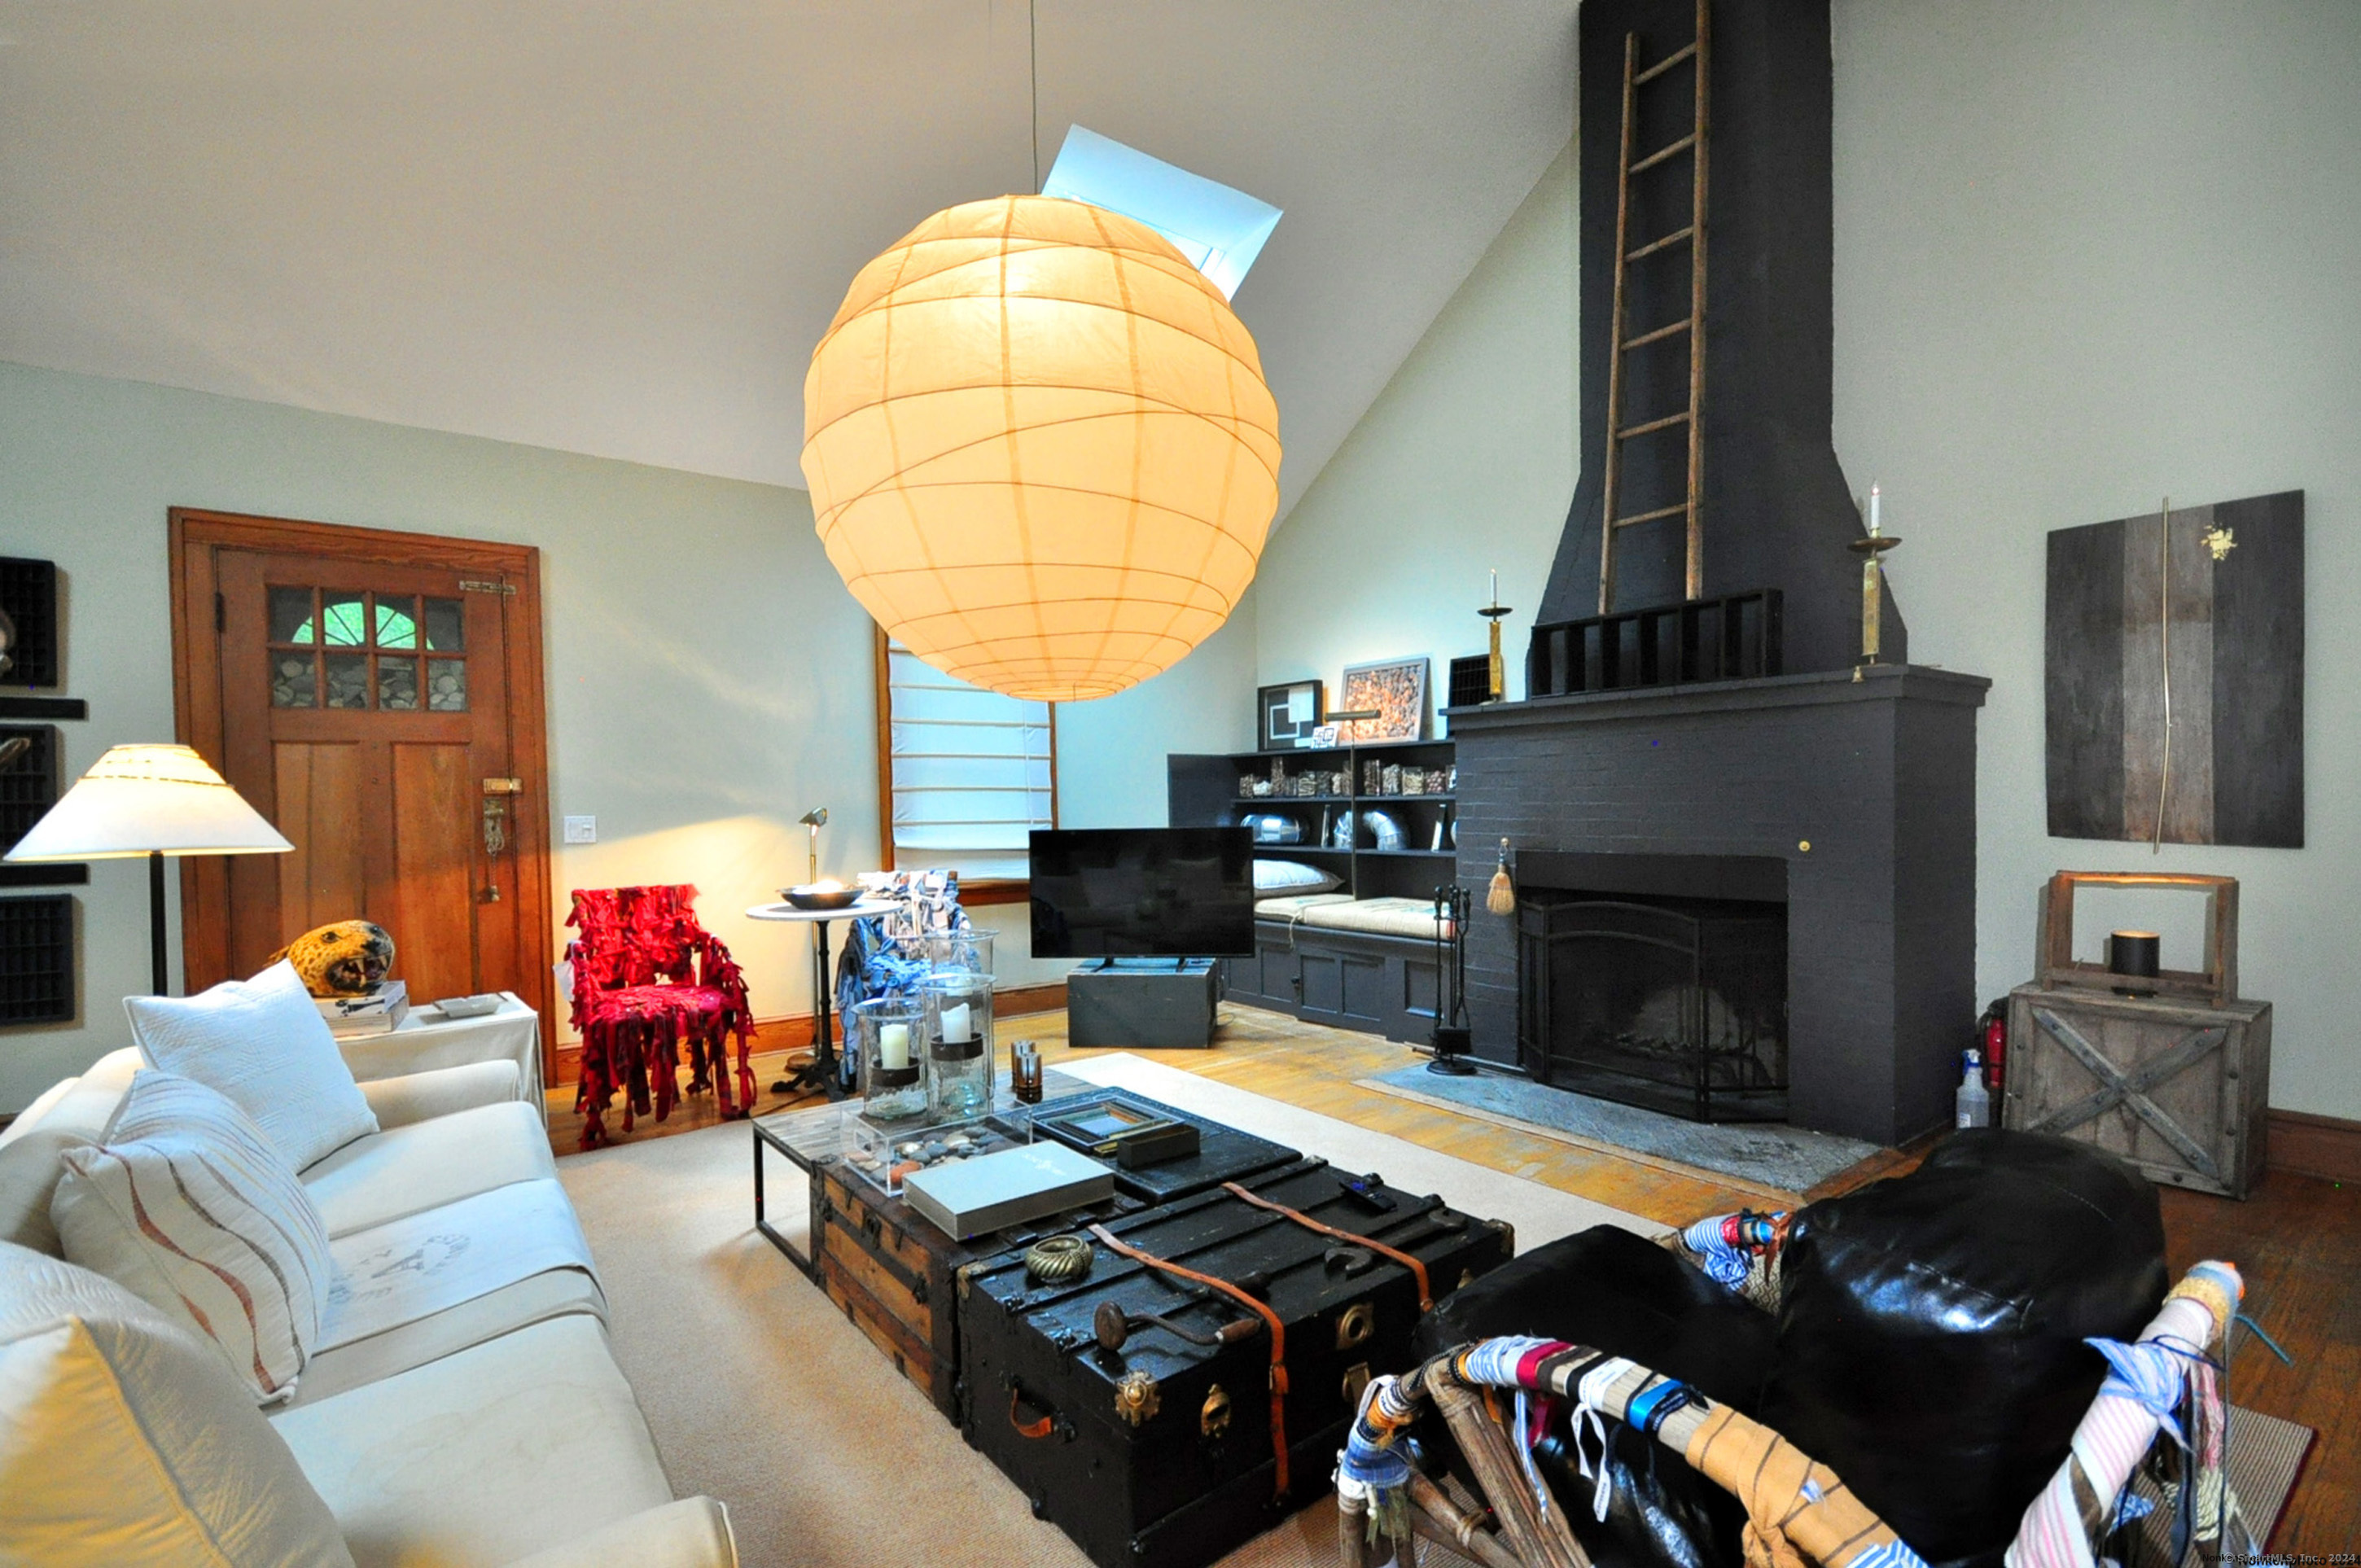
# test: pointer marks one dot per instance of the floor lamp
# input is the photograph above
(152, 800)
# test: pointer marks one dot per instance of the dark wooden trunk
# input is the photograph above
(895, 1272)
(1160, 1453)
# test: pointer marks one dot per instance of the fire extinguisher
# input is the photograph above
(1995, 1040)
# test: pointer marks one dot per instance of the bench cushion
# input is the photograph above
(1290, 907)
(1377, 917)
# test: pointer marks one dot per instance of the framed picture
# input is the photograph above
(1397, 689)
(1325, 736)
(1290, 714)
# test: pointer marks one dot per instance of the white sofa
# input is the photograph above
(497, 1430)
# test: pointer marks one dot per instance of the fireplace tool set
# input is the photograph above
(1452, 905)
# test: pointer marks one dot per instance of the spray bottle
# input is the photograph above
(1974, 1104)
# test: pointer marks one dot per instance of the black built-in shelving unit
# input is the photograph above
(1204, 792)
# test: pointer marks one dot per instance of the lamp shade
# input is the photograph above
(146, 799)
(1041, 449)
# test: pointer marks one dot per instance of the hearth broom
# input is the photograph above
(1502, 897)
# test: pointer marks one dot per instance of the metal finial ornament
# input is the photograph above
(1496, 677)
(1873, 584)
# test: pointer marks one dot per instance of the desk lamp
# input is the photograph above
(815, 819)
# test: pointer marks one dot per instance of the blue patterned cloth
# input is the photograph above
(885, 955)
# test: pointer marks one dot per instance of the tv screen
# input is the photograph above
(1126, 892)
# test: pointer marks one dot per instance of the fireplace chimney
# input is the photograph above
(1777, 512)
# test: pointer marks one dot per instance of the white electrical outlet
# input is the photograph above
(581, 829)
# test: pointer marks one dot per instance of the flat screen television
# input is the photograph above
(1143, 893)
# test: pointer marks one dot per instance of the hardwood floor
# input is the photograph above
(2297, 1240)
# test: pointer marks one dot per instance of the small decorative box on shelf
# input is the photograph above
(2171, 1070)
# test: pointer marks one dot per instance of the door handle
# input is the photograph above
(496, 827)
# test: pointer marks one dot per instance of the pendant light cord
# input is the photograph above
(1033, 54)
(2164, 629)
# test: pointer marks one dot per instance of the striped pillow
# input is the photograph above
(188, 1206)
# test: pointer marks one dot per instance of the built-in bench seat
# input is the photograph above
(1327, 957)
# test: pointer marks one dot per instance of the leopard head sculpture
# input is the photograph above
(342, 960)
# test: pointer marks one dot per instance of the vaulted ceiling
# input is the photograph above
(618, 226)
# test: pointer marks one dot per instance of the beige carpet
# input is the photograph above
(760, 1393)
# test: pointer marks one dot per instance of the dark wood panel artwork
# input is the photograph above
(2175, 684)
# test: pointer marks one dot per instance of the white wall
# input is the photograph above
(1465, 462)
(708, 678)
(2087, 254)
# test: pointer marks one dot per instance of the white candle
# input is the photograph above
(893, 1045)
(1496, 585)
(1873, 511)
(958, 1024)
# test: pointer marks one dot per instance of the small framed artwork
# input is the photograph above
(1396, 689)
(1291, 714)
(1325, 736)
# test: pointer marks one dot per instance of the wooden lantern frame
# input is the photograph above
(2214, 985)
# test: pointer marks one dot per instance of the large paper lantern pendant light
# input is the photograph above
(1041, 449)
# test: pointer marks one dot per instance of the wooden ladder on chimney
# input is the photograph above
(1613, 520)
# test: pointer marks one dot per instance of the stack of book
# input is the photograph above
(375, 1012)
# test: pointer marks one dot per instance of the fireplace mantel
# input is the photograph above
(1864, 789)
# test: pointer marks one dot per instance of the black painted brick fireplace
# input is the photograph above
(1659, 793)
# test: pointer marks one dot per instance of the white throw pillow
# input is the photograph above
(186, 1205)
(124, 1443)
(1292, 876)
(263, 1043)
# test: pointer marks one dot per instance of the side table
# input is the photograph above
(425, 1040)
(821, 1071)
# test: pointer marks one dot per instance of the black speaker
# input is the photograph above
(36, 960)
(28, 596)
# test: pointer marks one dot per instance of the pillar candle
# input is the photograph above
(959, 1025)
(893, 1045)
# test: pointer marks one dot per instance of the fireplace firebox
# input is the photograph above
(1676, 1004)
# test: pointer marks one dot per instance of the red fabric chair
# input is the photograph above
(647, 976)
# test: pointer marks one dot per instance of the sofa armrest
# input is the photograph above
(691, 1533)
(419, 1096)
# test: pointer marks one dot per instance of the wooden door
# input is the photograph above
(377, 697)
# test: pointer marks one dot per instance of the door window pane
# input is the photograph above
(348, 680)
(291, 616)
(291, 678)
(446, 626)
(397, 625)
(397, 684)
(343, 621)
(447, 680)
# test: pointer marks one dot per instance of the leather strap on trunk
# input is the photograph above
(1270, 1319)
(1417, 1269)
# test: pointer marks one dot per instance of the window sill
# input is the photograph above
(998, 891)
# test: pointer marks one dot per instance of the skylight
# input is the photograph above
(1221, 231)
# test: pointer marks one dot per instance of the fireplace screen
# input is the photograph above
(1677, 1004)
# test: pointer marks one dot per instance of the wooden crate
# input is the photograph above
(2178, 1087)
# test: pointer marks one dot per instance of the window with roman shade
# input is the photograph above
(965, 775)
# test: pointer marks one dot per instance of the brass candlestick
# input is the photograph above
(1873, 590)
(1873, 584)
(1496, 676)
